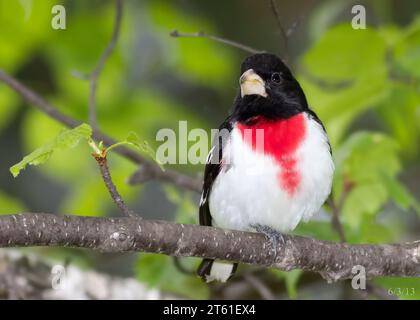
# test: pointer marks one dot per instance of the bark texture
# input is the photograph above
(334, 261)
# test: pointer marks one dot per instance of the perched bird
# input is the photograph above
(270, 166)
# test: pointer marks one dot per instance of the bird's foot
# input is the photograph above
(274, 236)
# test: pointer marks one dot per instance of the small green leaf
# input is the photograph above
(367, 198)
(65, 140)
(407, 51)
(133, 138)
(342, 54)
(143, 146)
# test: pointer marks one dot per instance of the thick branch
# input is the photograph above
(332, 260)
(153, 170)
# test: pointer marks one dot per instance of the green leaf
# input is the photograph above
(370, 161)
(159, 271)
(343, 75)
(407, 51)
(376, 152)
(402, 121)
(367, 198)
(345, 54)
(373, 231)
(143, 146)
(338, 108)
(65, 140)
(362, 159)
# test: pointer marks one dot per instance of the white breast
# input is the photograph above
(247, 191)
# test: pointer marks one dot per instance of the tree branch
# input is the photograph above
(259, 286)
(106, 176)
(335, 218)
(201, 34)
(334, 261)
(93, 77)
(154, 171)
(276, 14)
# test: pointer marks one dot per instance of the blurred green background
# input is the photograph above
(363, 84)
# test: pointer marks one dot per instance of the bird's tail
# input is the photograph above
(210, 270)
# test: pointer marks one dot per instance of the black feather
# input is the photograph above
(211, 172)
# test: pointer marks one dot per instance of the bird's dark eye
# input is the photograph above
(275, 77)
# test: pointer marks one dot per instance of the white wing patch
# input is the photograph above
(202, 199)
(210, 155)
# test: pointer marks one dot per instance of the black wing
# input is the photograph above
(212, 170)
(213, 167)
(314, 116)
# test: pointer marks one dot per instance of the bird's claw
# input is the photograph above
(274, 236)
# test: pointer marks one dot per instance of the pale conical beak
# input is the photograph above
(251, 83)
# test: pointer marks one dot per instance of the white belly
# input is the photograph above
(247, 191)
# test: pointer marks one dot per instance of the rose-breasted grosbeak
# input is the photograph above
(270, 186)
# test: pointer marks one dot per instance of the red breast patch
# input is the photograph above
(281, 140)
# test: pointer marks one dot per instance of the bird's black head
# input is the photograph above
(268, 88)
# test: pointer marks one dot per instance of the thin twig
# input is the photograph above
(336, 209)
(93, 77)
(106, 176)
(154, 171)
(259, 286)
(335, 219)
(231, 43)
(276, 14)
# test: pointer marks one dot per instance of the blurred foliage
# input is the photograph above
(364, 85)
(159, 270)
(10, 204)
